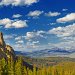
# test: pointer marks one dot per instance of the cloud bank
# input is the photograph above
(64, 31)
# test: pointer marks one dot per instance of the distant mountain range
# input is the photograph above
(47, 52)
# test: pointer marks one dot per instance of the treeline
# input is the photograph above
(17, 68)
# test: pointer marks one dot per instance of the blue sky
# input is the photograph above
(30, 25)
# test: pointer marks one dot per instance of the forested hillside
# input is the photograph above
(17, 68)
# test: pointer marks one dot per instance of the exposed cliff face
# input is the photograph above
(6, 51)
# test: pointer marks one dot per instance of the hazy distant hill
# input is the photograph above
(47, 52)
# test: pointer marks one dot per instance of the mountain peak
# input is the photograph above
(2, 43)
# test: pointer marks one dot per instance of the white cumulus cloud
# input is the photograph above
(8, 23)
(35, 13)
(67, 18)
(52, 14)
(16, 15)
(17, 2)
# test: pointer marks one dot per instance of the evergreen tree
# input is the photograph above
(19, 66)
(4, 67)
(10, 66)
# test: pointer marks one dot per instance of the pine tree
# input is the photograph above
(34, 71)
(18, 66)
(4, 67)
(25, 71)
(10, 67)
(0, 68)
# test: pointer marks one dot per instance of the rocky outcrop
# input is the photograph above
(6, 51)
(2, 43)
